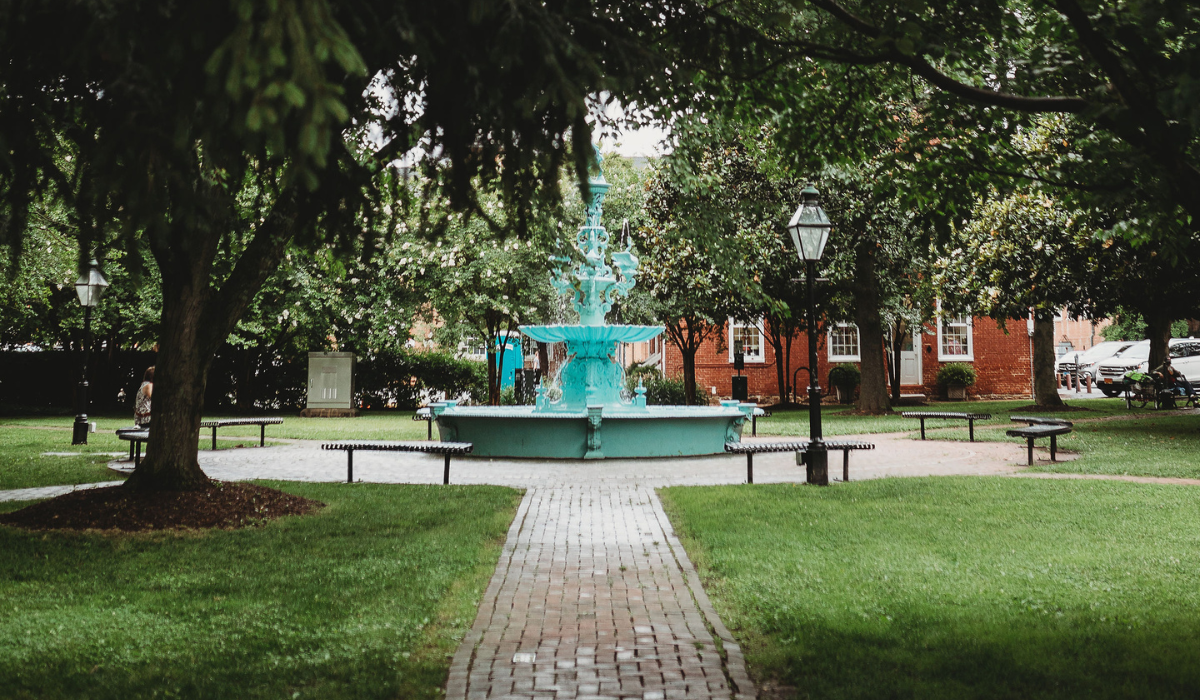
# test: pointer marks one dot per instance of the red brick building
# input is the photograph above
(1002, 359)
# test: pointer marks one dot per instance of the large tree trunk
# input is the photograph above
(196, 320)
(894, 365)
(1045, 384)
(1158, 331)
(689, 374)
(776, 337)
(872, 392)
(180, 371)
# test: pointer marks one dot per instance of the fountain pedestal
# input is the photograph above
(591, 419)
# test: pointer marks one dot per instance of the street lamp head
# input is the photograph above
(91, 285)
(809, 226)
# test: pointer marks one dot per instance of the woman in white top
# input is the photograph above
(141, 400)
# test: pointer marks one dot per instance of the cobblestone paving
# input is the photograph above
(592, 599)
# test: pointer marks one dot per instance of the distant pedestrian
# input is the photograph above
(141, 401)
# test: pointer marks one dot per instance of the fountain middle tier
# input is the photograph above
(591, 376)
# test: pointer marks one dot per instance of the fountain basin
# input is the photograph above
(598, 432)
(591, 334)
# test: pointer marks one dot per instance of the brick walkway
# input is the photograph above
(595, 598)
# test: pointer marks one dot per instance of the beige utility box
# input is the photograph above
(330, 384)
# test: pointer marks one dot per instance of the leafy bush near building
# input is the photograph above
(660, 390)
(956, 373)
(845, 376)
(399, 378)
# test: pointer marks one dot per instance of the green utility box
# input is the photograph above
(330, 384)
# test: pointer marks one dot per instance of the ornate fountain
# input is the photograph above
(585, 415)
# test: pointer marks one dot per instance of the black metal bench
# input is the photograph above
(446, 449)
(136, 436)
(1040, 420)
(1033, 432)
(970, 418)
(262, 424)
(752, 448)
(426, 415)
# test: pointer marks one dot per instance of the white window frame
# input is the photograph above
(941, 324)
(856, 357)
(762, 340)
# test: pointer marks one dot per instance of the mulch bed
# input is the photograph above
(221, 504)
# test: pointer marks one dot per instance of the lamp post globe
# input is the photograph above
(89, 287)
(809, 228)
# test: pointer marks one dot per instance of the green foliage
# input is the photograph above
(956, 373)
(399, 378)
(845, 376)
(954, 587)
(366, 598)
(660, 390)
(1129, 325)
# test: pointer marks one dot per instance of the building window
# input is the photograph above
(751, 337)
(954, 338)
(843, 342)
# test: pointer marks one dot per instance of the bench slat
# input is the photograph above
(455, 448)
(446, 449)
(946, 414)
(1039, 420)
(227, 422)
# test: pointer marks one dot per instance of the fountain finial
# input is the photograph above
(592, 284)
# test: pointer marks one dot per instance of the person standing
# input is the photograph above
(141, 400)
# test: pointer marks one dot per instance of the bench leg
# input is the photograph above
(137, 456)
(1053, 446)
(262, 435)
(971, 428)
(922, 428)
(446, 472)
(845, 465)
(349, 466)
(1029, 441)
(214, 440)
(131, 444)
(429, 429)
(754, 426)
(749, 467)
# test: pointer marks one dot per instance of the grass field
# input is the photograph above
(365, 599)
(25, 464)
(955, 587)
(390, 425)
(839, 420)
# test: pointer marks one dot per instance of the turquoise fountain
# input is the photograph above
(584, 415)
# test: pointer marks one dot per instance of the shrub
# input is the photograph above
(956, 373)
(845, 376)
(402, 376)
(660, 390)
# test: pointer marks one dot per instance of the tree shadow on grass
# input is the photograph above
(1066, 658)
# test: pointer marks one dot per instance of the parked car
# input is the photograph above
(1111, 372)
(1087, 362)
(1185, 356)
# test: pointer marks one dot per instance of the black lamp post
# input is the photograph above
(810, 230)
(90, 286)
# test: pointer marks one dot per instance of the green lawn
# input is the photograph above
(24, 462)
(838, 420)
(389, 425)
(955, 587)
(365, 599)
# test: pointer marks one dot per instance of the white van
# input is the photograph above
(1185, 356)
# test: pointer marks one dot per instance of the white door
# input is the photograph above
(910, 362)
